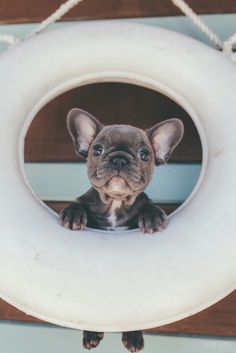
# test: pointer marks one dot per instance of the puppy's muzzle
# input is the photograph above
(120, 159)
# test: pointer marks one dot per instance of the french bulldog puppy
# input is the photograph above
(120, 164)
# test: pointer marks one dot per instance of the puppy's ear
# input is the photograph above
(164, 137)
(83, 128)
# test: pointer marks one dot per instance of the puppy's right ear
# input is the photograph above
(83, 128)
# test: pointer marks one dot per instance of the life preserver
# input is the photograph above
(110, 281)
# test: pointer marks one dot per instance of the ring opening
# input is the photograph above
(56, 175)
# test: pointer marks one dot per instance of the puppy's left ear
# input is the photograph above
(83, 128)
(164, 137)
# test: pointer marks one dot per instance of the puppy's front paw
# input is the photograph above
(152, 219)
(73, 217)
(91, 339)
(133, 340)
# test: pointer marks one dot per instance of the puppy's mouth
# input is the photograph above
(119, 180)
(117, 185)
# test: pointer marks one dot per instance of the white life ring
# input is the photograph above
(110, 281)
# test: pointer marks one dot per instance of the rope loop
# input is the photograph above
(228, 47)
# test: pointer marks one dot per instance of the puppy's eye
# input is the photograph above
(98, 150)
(144, 154)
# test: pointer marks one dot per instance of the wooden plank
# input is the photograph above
(171, 183)
(58, 206)
(22, 11)
(9, 312)
(49, 140)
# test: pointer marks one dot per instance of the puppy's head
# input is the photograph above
(121, 158)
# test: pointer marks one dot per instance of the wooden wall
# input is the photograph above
(49, 140)
(22, 11)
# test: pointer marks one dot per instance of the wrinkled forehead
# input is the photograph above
(122, 134)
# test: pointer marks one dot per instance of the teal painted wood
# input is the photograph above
(27, 338)
(171, 183)
(223, 25)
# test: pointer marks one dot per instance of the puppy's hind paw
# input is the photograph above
(91, 339)
(133, 340)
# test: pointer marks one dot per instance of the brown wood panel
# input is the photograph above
(19, 11)
(49, 140)
(218, 320)
(9, 312)
(59, 205)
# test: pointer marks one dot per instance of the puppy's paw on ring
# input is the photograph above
(152, 219)
(73, 217)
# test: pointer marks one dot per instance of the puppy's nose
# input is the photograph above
(119, 161)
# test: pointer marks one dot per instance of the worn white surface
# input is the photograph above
(118, 281)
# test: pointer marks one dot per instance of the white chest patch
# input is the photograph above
(112, 219)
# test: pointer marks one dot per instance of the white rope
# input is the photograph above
(59, 13)
(186, 9)
(9, 39)
(55, 16)
(226, 46)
